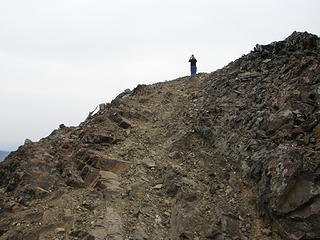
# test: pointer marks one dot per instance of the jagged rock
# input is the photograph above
(27, 141)
(102, 107)
(107, 182)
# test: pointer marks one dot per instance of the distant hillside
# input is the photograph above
(3, 155)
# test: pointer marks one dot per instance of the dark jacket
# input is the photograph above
(193, 61)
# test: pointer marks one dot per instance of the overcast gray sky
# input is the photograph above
(59, 59)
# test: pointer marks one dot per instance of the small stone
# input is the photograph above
(135, 212)
(125, 124)
(158, 219)
(212, 189)
(102, 106)
(175, 155)
(59, 230)
(172, 190)
(248, 227)
(27, 141)
(211, 173)
(158, 186)
(149, 163)
(167, 214)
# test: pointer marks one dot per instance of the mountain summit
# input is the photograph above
(234, 154)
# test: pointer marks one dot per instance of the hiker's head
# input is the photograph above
(192, 56)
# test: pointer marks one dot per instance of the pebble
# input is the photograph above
(59, 230)
(158, 186)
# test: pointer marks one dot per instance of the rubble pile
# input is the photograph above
(262, 113)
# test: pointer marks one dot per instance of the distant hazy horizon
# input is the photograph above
(3, 155)
(60, 59)
(9, 148)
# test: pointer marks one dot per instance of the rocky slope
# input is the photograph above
(229, 155)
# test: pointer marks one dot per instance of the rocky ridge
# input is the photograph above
(233, 154)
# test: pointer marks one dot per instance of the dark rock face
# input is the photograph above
(269, 99)
(229, 155)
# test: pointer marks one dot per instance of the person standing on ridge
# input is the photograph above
(193, 62)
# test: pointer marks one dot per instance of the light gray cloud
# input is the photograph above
(59, 59)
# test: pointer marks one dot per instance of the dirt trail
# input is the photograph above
(169, 170)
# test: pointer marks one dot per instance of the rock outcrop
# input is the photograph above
(233, 154)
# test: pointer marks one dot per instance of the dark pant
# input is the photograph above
(193, 70)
